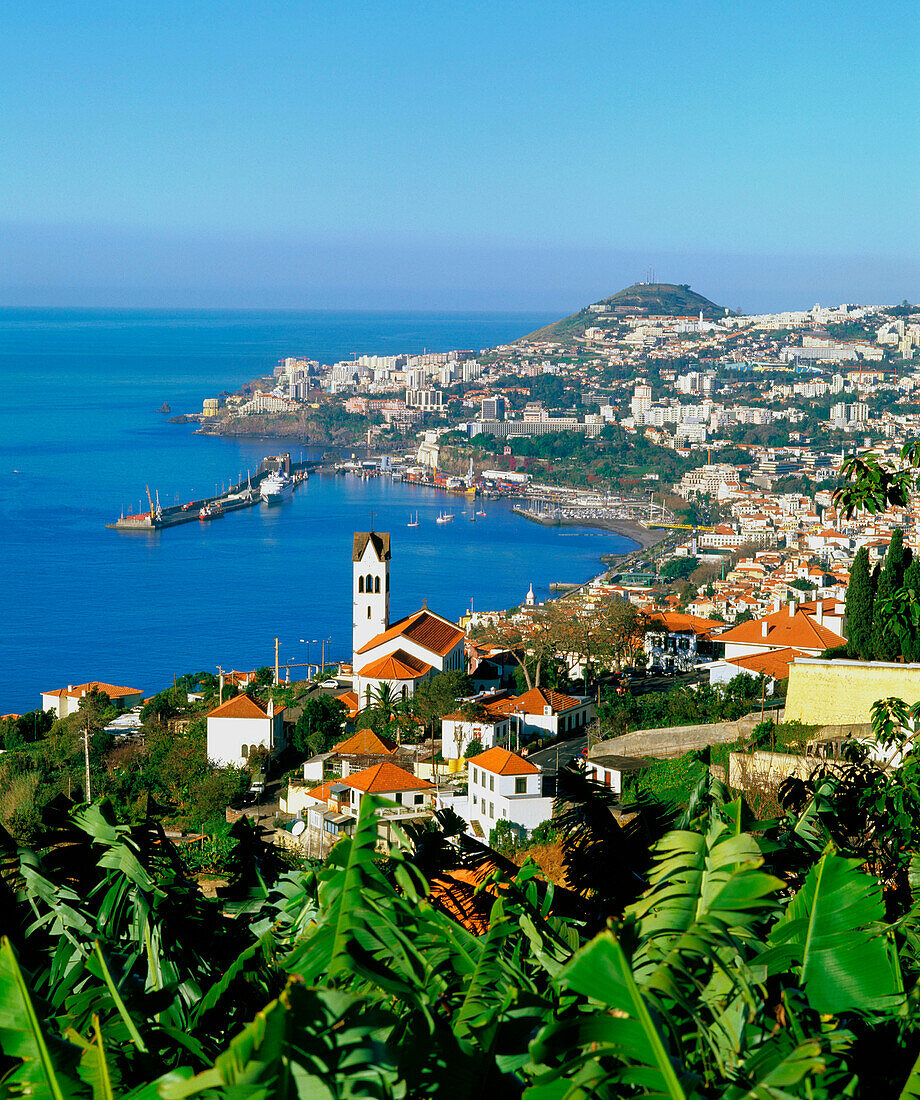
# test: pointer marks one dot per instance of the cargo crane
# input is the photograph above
(156, 513)
(694, 527)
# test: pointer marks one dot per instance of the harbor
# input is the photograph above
(274, 480)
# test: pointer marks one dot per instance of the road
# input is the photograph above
(559, 755)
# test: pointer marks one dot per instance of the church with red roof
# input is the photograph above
(403, 653)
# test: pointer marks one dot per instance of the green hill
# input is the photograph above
(640, 299)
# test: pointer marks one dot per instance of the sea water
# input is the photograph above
(81, 438)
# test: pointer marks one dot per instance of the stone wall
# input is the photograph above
(842, 692)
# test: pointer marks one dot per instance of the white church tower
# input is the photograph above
(370, 589)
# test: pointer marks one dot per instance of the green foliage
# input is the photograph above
(678, 568)
(859, 601)
(320, 726)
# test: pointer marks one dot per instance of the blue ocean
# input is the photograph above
(81, 437)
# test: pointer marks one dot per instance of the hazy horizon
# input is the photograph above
(445, 157)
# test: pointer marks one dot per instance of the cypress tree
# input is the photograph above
(897, 559)
(885, 644)
(910, 645)
(859, 608)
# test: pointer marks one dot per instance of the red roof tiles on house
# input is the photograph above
(365, 743)
(502, 762)
(241, 707)
(425, 629)
(398, 665)
(79, 690)
(385, 778)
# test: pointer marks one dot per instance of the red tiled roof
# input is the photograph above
(501, 762)
(79, 690)
(425, 629)
(241, 706)
(365, 743)
(386, 777)
(398, 665)
(675, 622)
(350, 699)
(774, 663)
(801, 631)
(533, 702)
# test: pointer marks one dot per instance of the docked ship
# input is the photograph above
(276, 487)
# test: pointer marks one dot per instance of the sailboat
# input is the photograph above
(480, 512)
(413, 522)
(445, 517)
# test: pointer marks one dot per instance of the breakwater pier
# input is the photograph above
(243, 495)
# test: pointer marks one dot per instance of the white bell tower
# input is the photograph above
(370, 589)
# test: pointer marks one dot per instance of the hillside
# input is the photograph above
(648, 299)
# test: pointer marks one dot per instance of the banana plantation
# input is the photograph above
(709, 956)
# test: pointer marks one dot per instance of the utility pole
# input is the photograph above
(277, 674)
(89, 793)
(220, 693)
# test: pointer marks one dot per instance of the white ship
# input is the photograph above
(276, 487)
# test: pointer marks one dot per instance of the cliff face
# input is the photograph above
(299, 427)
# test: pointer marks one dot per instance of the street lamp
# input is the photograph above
(308, 642)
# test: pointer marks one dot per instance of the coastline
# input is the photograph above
(641, 536)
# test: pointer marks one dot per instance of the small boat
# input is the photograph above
(480, 513)
(413, 522)
(207, 512)
(445, 517)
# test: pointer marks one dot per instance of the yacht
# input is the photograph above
(413, 522)
(445, 517)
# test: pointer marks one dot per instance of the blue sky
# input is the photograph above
(466, 155)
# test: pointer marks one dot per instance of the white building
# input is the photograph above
(64, 701)
(504, 786)
(240, 726)
(401, 654)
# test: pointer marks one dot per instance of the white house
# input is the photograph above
(400, 654)
(609, 769)
(490, 726)
(505, 787)
(331, 809)
(240, 726)
(64, 701)
(540, 711)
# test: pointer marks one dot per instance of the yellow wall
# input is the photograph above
(831, 693)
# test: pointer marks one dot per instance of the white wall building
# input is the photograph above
(504, 786)
(64, 701)
(240, 726)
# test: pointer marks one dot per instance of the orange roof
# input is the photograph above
(801, 631)
(79, 690)
(676, 622)
(365, 743)
(501, 762)
(386, 777)
(322, 793)
(350, 699)
(241, 706)
(398, 665)
(533, 702)
(425, 629)
(774, 663)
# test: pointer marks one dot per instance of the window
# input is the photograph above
(244, 752)
(360, 584)
(376, 584)
(369, 583)
(474, 802)
(491, 782)
(520, 785)
(419, 799)
(492, 810)
(472, 775)
(368, 612)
